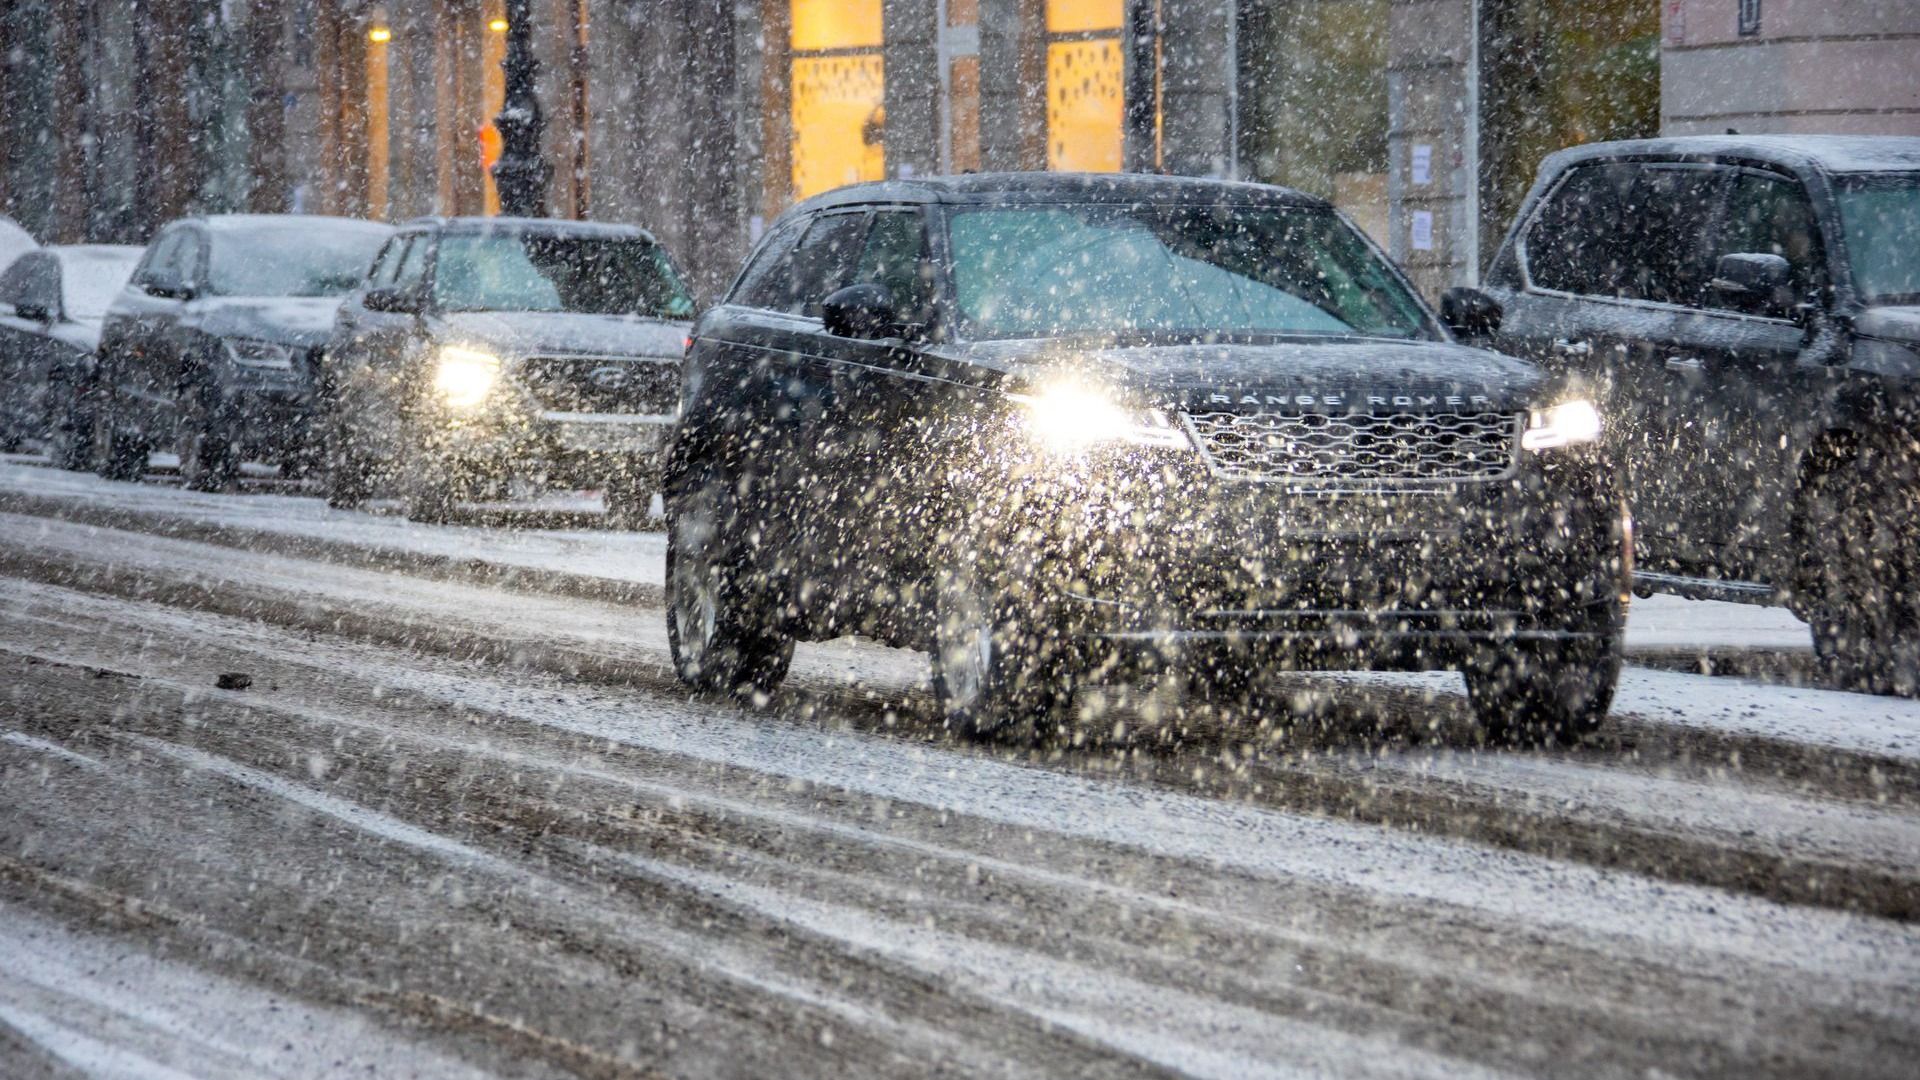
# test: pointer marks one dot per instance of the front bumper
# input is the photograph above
(1183, 562)
(566, 448)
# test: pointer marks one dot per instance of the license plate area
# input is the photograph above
(609, 438)
(1360, 516)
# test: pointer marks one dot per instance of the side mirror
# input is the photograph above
(34, 311)
(861, 311)
(392, 301)
(1469, 312)
(1754, 282)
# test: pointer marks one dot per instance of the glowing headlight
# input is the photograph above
(1070, 417)
(464, 377)
(1565, 424)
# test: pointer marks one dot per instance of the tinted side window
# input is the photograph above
(387, 263)
(163, 260)
(1771, 215)
(412, 269)
(1635, 232)
(13, 282)
(896, 256)
(822, 262)
(761, 283)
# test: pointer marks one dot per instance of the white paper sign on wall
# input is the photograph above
(1422, 163)
(1423, 230)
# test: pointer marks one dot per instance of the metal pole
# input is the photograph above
(521, 174)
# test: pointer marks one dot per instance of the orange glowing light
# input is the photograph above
(379, 35)
(498, 26)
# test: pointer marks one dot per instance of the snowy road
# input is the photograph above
(464, 822)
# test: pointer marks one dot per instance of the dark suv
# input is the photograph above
(485, 352)
(1747, 310)
(211, 348)
(1043, 426)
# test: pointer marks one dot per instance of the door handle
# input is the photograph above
(1685, 363)
(1563, 347)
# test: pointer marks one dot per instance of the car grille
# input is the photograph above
(1319, 448)
(603, 384)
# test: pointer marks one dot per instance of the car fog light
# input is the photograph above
(1565, 424)
(1069, 417)
(464, 377)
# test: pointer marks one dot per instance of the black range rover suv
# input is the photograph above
(1046, 425)
(1747, 309)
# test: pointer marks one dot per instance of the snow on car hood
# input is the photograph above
(527, 333)
(1305, 372)
(1894, 323)
(300, 321)
(80, 333)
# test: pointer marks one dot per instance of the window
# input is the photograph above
(412, 271)
(763, 279)
(544, 271)
(1629, 231)
(1086, 96)
(838, 94)
(896, 256)
(796, 282)
(1881, 214)
(387, 263)
(165, 265)
(1771, 215)
(293, 258)
(1183, 270)
(13, 283)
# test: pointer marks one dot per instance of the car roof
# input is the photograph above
(237, 222)
(1827, 153)
(109, 252)
(554, 226)
(1045, 187)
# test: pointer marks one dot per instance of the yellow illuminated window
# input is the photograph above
(1086, 92)
(838, 87)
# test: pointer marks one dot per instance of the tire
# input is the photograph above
(722, 626)
(629, 495)
(1543, 692)
(122, 455)
(1860, 567)
(432, 500)
(209, 458)
(70, 434)
(1000, 657)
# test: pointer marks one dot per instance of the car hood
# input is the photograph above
(1894, 323)
(299, 321)
(1339, 373)
(81, 333)
(529, 333)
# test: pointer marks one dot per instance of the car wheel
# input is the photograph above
(999, 659)
(70, 433)
(209, 460)
(629, 495)
(1862, 564)
(1542, 692)
(723, 633)
(122, 453)
(431, 498)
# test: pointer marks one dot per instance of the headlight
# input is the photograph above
(1069, 417)
(1566, 424)
(464, 377)
(259, 354)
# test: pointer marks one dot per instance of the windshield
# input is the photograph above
(1881, 214)
(1052, 270)
(90, 279)
(295, 258)
(509, 271)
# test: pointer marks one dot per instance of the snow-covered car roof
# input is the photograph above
(1065, 187)
(1829, 153)
(249, 222)
(551, 226)
(91, 275)
(14, 241)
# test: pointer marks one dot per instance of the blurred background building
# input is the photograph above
(703, 119)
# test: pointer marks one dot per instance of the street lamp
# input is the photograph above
(520, 175)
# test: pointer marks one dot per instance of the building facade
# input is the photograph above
(704, 119)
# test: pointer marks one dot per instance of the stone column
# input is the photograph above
(1013, 84)
(1432, 104)
(912, 58)
(1198, 86)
